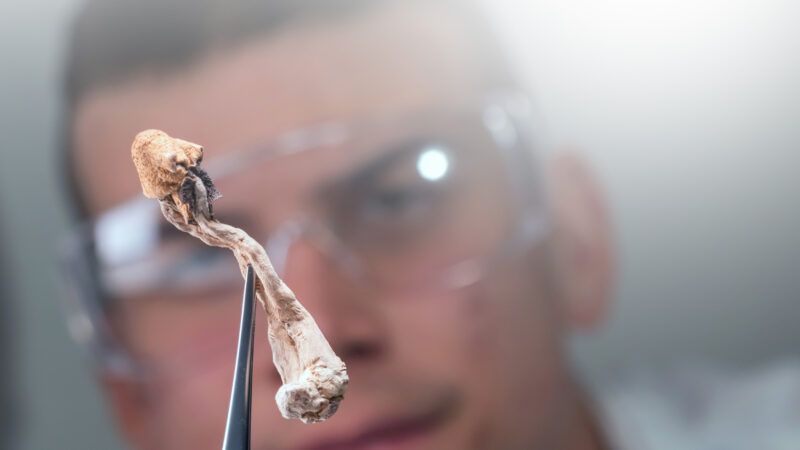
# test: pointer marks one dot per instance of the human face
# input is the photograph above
(476, 368)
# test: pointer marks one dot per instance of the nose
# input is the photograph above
(346, 313)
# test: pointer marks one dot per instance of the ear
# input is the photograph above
(128, 402)
(582, 241)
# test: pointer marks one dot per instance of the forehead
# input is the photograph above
(388, 59)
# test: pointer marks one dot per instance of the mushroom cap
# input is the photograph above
(163, 161)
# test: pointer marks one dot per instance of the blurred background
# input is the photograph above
(688, 109)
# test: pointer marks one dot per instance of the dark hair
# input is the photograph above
(112, 39)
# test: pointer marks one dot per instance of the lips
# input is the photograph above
(395, 433)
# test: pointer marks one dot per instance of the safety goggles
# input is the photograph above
(422, 201)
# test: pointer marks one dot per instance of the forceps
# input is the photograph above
(237, 428)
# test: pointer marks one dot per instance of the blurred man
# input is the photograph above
(383, 152)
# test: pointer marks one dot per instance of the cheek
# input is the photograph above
(523, 358)
(177, 338)
(499, 341)
(495, 326)
(188, 352)
(191, 412)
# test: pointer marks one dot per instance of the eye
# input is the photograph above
(402, 194)
(399, 202)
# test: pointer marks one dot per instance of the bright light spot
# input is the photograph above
(432, 164)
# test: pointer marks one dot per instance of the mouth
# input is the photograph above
(393, 434)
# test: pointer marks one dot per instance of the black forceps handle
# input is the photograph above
(237, 429)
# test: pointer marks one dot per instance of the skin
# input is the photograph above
(489, 358)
